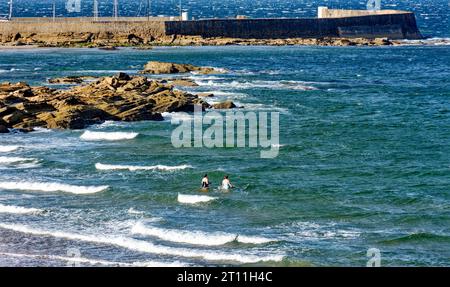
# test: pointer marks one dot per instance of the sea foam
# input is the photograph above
(195, 237)
(19, 210)
(51, 187)
(12, 160)
(101, 166)
(194, 199)
(83, 260)
(10, 148)
(276, 85)
(107, 136)
(147, 247)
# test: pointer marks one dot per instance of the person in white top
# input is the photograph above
(226, 184)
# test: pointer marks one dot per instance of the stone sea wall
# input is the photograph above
(395, 26)
(68, 32)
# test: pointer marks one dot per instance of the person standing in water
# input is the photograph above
(205, 182)
(226, 184)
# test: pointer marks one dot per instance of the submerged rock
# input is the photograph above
(155, 67)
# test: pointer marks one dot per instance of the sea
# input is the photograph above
(363, 165)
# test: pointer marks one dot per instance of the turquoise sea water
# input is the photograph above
(364, 163)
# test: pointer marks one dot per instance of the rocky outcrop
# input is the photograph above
(110, 40)
(155, 67)
(118, 98)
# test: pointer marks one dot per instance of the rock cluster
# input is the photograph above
(118, 98)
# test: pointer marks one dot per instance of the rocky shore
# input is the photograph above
(92, 101)
(110, 41)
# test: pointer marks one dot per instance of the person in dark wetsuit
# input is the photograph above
(205, 182)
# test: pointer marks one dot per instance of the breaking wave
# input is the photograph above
(13, 160)
(7, 148)
(194, 199)
(134, 211)
(107, 136)
(51, 187)
(101, 166)
(196, 237)
(19, 210)
(281, 85)
(82, 260)
(146, 247)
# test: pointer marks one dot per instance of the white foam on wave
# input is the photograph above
(216, 71)
(12, 160)
(436, 41)
(282, 85)
(205, 78)
(51, 187)
(194, 199)
(180, 116)
(10, 148)
(134, 211)
(18, 162)
(108, 136)
(262, 107)
(195, 237)
(42, 130)
(146, 247)
(82, 260)
(19, 210)
(314, 231)
(101, 166)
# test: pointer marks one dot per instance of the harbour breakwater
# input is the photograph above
(352, 25)
(393, 25)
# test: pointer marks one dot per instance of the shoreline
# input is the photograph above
(220, 42)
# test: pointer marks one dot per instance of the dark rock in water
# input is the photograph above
(24, 130)
(123, 77)
(224, 105)
(155, 67)
(3, 129)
